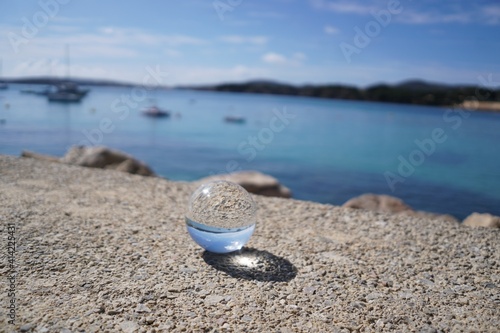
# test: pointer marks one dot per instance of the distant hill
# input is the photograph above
(408, 92)
(422, 85)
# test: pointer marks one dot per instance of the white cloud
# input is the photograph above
(279, 59)
(414, 17)
(173, 53)
(182, 40)
(343, 6)
(331, 30)
(135, 36)
(236, 39)
(485, 14)
(491, 14)
(274, 58)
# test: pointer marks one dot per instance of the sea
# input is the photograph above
(440, 160)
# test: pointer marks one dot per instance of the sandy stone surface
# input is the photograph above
(104, 251)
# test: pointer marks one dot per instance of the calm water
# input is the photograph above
(324, 150)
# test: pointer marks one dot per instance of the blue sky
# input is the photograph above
(295, 41)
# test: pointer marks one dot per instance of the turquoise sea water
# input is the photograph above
(324, 150)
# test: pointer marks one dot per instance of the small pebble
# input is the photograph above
(26, 327)
(141, 308)
(129, 326)
(213, 299)
(114, 312)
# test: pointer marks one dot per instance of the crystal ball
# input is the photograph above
(221, 216)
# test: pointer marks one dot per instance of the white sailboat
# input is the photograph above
(154, 111)
(67, 92)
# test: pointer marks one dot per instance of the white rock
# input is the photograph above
(482, 220)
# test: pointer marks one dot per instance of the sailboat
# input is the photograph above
(3, 85)
(67, 92)
(154, 111)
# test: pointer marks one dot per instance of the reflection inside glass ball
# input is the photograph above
(221, 216)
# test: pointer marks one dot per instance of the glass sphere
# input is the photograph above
(221, 216)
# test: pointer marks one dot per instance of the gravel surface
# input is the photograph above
(104, 251)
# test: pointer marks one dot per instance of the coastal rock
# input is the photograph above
(254, 182)
(97, 157)
(31, 154)
(378, 203)
(134, 167)
(482, 220)
(388, 204)
(93, 157)
(106, 158)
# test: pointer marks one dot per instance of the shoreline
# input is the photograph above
(484, 106)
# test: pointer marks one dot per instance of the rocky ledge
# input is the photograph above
(97, 157)
(104, 251)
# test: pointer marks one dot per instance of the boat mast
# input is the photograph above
(3, 85)
(67, 63)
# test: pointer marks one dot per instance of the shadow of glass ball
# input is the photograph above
(252, 264)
